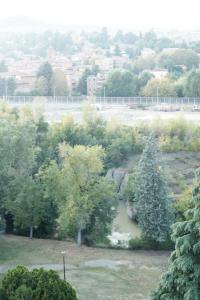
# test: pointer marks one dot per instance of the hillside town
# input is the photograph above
(87, 62)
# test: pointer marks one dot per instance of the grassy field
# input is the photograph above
(95, 273)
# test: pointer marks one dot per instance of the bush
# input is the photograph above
(38, 284)
(144, 244)
(183, 203)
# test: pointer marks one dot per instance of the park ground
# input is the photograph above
(95, 273)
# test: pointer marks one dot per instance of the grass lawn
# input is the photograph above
(95, 273)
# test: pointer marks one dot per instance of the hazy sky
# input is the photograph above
(138, 14)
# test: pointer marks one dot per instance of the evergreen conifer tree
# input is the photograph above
(154, 212)
(182, 281)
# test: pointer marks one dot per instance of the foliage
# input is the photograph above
(20, 283)
(129, 193)
(152, 202)
(59, 83)
(192, 88)
(121, 84)
(82, 84)
(81, 166)
(28, 206)
(145, 244)
(186, 57)
(145, 63)
(181, 281)
(44, 77)
(183, 203)
(159, 87)
(181, 57)
(177, 134)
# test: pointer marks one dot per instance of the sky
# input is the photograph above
(125, 14)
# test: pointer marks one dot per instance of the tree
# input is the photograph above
(143, 63)
(20, 283)
(144, 78)
(181, 281)
(82, 84)
(42, 86)
(121, 84)
(59, 82)
(81, 169)
(152, 201)
(192, 87)
(186, 57)
(17, 152)
(28, 206)
(159, 87)
(45, 71)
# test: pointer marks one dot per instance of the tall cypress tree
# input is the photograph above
(152, 202)
(182, 281)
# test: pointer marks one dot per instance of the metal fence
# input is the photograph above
(143, 101)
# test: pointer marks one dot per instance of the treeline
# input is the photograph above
(53, 181)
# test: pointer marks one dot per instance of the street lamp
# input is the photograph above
(64, 269)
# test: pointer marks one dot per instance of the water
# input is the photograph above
(123, 224)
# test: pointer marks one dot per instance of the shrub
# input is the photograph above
(144, 244)
(39, 284)
(183, 203)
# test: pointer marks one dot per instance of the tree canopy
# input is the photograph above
(151, 198)
(181, 281)
(20, 283)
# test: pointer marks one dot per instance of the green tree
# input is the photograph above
(59, 82)
(152, 202)
(159, 87)
(42, 86)
(186, 57)
(143, 63)
(82, 84)
(45, 71)
(192, 86)
(28, 206)
(181, 281)
(81, 169)
(20, 283)
(121, 84)
(144, 78)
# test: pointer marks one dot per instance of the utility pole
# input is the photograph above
(64, 268)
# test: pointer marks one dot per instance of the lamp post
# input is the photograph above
(64, 268)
